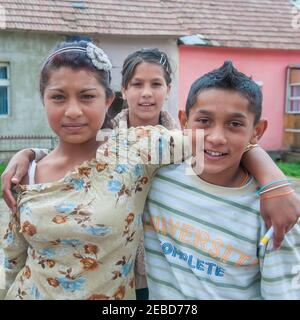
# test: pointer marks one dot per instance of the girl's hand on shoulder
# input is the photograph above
(16, 169)
(282, 213)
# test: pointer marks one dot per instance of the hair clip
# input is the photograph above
(161, 59)
(164, 62)
(98, 57)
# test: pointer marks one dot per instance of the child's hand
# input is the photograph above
(282, 213)
(13, 174)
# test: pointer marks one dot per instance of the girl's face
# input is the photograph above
(76, 104)
(145, 94)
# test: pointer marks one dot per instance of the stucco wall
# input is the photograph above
(25, 53)
(267, 66)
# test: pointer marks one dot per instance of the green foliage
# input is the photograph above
(290, 169)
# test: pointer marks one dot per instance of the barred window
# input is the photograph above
(4, 89)
(293, 90)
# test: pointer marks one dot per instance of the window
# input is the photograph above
(293, 90)
(4, 89)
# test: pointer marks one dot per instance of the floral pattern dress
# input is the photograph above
(121, 120)
(77, 238)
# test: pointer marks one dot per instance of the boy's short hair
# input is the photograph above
(227, 78)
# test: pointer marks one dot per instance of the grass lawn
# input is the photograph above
(290, 169)
(2, 168)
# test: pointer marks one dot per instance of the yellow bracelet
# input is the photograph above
(250, 146)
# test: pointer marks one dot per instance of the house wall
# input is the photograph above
(26, 51)
(267, 66)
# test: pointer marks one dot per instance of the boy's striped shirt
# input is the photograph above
(201, 242)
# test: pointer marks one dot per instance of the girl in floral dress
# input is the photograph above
(78, 223)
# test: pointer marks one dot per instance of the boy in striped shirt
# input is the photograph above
(202, 231)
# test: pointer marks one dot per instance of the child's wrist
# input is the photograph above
(281, 194)
(278, 191)
(273, 185)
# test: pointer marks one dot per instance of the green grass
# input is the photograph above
(290, 169)
(2, 168)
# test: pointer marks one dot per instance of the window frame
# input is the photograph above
(289, 85)
(6, 83)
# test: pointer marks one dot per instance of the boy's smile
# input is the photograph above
(214, 155)
(228, 126)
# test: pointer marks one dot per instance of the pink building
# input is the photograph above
(267, 67)
(262, 38)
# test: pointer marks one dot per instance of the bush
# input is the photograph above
(290, 169)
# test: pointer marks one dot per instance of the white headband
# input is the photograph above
(98, 56)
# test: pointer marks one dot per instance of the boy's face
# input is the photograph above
(228, 127)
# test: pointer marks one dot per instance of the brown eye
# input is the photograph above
(88, 97)
(235, 124)
(203, 121)
(136, 84)
(57, 97)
